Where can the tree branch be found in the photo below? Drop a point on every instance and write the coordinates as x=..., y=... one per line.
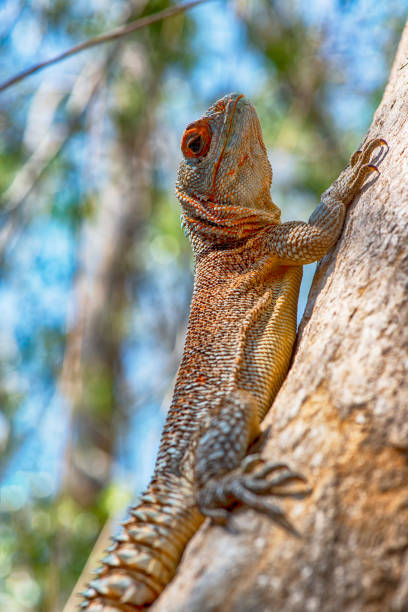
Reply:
x=30, y=173
x=103, y=38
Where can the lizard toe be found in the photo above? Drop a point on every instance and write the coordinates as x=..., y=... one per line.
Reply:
x=263, y=486
x=263, y=506
x=218, y=496
x=355, y=157
x=270, y=467
x=360, y=158
x=361, y=172
x=370, y=146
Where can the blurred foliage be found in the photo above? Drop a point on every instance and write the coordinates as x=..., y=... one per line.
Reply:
x=95, y=271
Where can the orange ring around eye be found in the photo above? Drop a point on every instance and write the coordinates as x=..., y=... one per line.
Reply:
x=196, y=139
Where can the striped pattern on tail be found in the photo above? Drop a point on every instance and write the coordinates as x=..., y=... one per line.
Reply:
x=145, y=555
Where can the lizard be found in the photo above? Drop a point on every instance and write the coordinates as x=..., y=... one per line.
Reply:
x=240, y=336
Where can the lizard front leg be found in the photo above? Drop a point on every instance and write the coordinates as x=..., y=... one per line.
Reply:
x=224, y=473
x=296, y=242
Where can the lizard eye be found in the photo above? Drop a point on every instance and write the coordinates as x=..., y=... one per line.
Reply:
x=195, y=144
x=196, y=139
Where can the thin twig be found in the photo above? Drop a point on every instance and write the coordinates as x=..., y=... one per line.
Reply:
x=29, y=174
x=103, y=38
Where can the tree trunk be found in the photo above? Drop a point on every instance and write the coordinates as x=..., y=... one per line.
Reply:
x=341, y=418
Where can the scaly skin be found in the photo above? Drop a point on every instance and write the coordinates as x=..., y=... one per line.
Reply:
x=239, y=342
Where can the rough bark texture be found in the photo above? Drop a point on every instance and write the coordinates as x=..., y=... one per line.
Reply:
x=341, y=418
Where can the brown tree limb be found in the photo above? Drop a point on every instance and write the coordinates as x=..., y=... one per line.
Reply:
x=102, y=39
x=341, y=418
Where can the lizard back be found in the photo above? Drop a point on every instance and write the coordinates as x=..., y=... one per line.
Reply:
x=241, y=329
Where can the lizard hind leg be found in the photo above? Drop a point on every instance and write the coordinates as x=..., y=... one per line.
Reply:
x=226, y=477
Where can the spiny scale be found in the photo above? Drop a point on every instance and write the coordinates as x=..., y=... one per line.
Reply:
x=144, y=557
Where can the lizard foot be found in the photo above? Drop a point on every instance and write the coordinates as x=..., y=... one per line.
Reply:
x=245, y=488
x=364, y=154
x=352, y=179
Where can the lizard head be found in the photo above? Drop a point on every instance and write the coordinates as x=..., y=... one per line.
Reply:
x=225, y=159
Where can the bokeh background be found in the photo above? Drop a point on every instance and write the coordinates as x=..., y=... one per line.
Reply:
x=95, y=271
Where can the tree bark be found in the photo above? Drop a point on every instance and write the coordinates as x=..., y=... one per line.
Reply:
x=341, y=418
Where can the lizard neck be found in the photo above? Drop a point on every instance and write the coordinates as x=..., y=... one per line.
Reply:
x=208, y=224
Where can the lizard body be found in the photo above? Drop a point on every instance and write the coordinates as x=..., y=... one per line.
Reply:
x=238, y=347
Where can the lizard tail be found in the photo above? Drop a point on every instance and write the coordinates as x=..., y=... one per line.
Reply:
x=145, y=555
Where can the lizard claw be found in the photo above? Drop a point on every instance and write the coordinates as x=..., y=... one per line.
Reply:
x=373, y=168
x=351, y=181
x=273, y=467
x=250, y=461
x=364, y=154
x=257, y=485
x=371, y=145
x=218, y=496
